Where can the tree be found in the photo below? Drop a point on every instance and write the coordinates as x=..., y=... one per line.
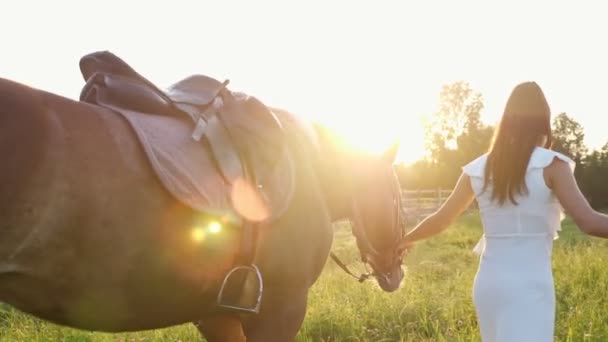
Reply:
x=459, y=110
x=568, y=137
x=455, y=134
x=592, y=179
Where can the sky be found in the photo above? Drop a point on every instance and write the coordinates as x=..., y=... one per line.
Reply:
x=372, y=70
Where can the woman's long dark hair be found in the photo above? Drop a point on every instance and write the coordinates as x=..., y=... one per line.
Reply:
x=525, y=122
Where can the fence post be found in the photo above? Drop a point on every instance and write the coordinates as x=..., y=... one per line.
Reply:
x=439, y=198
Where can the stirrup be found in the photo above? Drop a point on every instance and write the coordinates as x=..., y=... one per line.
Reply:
x=243, y=309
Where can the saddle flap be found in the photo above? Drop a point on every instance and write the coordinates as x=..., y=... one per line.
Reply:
x=184, y=166
x=278, y=185
x=224, y=151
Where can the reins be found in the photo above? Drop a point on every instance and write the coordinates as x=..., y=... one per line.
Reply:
x=363, y=277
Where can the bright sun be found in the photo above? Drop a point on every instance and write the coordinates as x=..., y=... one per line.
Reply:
x=379, y=137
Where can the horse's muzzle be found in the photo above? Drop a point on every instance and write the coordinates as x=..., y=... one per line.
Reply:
x=390, y=282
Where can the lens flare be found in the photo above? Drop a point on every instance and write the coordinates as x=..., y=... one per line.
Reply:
x=214, y=227
x=248, y=201
x=198, y=234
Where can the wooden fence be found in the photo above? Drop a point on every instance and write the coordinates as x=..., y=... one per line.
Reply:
x=418, y=204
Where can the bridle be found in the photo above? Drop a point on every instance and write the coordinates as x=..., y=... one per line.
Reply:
x=366, y=249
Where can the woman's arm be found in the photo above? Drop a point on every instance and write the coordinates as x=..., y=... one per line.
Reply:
x=562, y=182
x=458, y=202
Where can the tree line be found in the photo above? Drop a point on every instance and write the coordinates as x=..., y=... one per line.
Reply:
x=455, y=135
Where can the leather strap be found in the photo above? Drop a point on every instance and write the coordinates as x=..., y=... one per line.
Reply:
x=363, y=277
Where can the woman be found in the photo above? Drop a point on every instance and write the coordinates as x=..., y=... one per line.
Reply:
x=521, y=187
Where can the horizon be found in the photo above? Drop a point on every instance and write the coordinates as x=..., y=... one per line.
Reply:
x=370, y=71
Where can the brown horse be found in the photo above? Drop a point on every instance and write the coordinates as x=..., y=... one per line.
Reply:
x=89, y=238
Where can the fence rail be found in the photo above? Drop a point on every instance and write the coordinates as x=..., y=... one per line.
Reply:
x=418, y=204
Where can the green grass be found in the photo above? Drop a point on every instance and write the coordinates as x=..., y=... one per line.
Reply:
x=434, y=303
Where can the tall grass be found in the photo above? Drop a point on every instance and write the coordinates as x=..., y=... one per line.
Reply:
x=434, y=303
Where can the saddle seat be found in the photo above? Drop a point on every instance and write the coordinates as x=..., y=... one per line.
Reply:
x=218, y=151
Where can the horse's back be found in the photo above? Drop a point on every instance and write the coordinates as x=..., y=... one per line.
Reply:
x=46, y=137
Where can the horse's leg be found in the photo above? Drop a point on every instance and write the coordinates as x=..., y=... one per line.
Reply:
x=220, y=328
x=280, y=318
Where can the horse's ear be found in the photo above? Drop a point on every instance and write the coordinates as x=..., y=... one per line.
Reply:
x=391, y=153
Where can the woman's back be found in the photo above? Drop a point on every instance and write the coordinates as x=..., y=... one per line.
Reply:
x=536, y=213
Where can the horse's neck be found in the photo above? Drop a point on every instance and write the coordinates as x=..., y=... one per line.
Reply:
x=313, y=143
x=332, y=169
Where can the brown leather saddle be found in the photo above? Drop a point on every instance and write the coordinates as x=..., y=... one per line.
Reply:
x=218, y=151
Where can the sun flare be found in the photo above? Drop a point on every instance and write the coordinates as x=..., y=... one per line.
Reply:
x=377, y=139
x=198, y=234
x=202, y=232
x=215, y=227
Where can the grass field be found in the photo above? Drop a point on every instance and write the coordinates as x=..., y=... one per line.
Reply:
x=434, y=303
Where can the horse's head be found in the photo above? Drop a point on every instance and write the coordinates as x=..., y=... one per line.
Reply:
x=376, y=217
x=363, y=188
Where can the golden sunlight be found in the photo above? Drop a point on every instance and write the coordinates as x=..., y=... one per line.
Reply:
x=379, y=138
x=215, y=227
x=198, y=234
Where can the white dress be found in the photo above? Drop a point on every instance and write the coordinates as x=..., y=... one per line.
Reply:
x=513, y=294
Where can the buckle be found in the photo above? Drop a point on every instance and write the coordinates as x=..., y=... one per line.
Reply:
x=201, y=123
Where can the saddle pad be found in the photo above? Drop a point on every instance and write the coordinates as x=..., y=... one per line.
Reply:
x=187, y=168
